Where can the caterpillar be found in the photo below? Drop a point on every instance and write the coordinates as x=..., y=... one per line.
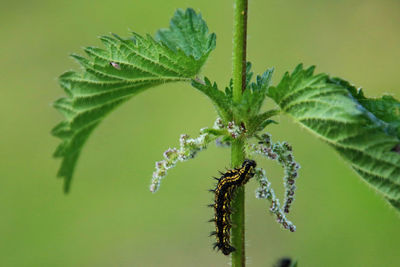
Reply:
x=224, y=191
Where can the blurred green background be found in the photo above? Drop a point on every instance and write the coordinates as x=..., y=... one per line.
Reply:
x=110, y=218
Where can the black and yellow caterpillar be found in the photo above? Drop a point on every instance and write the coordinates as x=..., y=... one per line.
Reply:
x=224, y=192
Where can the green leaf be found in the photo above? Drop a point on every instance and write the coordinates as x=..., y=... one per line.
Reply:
x=260, y=121
x=253, y=96
x=252, y=100
x=386, y=108
x=247, y=110
x=363, y=131
x=255, y=93
x=124, y=68
x=188, y=32
x=221, y=101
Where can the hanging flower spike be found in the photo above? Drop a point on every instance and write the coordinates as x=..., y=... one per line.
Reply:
x=265, y=191
x=282, y=152
x=188, y=149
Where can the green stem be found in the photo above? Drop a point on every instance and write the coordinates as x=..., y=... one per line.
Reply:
x=237, y=153
x=239, y=48
x=238, y=257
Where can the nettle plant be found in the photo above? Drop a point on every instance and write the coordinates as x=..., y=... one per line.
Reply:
x=365, y=132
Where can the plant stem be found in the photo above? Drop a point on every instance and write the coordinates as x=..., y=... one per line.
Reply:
x=239, y=48
x=238, y=257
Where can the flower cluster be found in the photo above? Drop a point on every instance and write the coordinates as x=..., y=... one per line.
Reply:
x=188, y=149
x=228, y=132
x=282, y=152
x=265, y=191
x=234, y=130
x=218, y=124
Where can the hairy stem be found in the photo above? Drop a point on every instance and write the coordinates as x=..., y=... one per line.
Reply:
x=237, y=154
x=238, y=217
x=239, y=48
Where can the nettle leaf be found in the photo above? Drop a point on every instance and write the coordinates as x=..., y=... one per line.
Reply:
x=221, y=101
x=386, y=108
x=262, y=120
x=248, y=109
x=252, y=100
x=124, y=68
x=255, y=93
x=364, y=131
x=188, y=32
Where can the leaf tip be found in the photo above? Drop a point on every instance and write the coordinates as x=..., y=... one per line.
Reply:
x=67, y=185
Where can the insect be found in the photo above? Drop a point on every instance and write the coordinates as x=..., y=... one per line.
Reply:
x=115, y=65
x=224, y=192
